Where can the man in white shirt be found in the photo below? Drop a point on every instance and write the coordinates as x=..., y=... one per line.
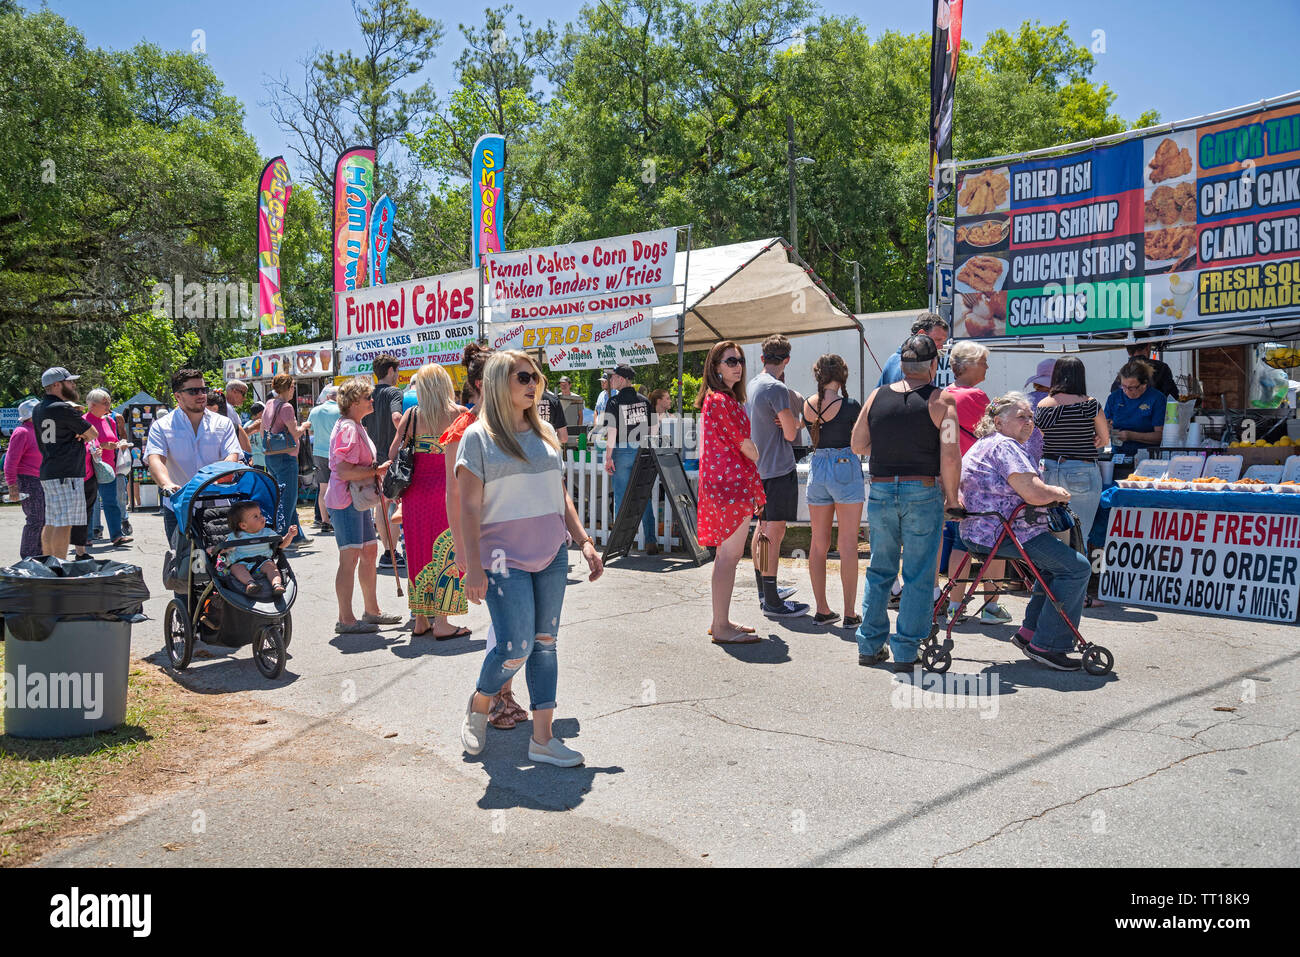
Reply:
x=183, y=441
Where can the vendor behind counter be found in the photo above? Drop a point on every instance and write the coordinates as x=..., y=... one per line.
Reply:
x=1136, y=410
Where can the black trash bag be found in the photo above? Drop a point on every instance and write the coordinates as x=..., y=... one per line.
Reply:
x=38, y=593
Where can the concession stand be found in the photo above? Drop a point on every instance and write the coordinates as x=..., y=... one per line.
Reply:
x=311, y=365
x=1186, y=234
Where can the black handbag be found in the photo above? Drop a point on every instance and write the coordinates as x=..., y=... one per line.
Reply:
x=402, y=469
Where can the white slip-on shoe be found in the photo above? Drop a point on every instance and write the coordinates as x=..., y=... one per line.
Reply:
x=553, y=752
x=473, y=731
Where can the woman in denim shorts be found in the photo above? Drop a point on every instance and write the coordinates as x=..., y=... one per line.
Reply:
x=836, y=489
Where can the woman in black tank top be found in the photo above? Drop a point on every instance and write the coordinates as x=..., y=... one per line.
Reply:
x=836, y=490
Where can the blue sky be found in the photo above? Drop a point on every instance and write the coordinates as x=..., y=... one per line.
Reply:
x=1182, y=58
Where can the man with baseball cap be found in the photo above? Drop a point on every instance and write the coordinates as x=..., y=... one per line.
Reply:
x=61, y=435
x=929, y=324
x=236, y=393
x=627, y=426
x=603, y=399
x=322, y=419
x=910, y=430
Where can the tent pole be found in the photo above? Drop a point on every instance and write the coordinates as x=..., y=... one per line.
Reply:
x=681, y=322
x=862, y=338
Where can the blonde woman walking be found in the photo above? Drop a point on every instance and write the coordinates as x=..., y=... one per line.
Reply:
x=515, y=513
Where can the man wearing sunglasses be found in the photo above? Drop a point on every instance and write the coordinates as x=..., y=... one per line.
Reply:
x=183, y=441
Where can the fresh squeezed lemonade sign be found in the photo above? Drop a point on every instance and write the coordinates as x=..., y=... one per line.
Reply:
x=1222, y=563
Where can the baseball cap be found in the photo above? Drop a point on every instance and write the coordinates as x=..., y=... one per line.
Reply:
x=564, y=378
x=327, y=393
x=918, y=348
x=1043, y=374
x=26, y=408
x=56, y=374
x=626, y=372
x=603, y=375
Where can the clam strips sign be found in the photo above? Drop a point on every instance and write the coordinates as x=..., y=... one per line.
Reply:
x=630, y=352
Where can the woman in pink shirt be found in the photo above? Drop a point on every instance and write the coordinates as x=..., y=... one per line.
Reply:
x=352, y=459
x=23, y=476
x=100, y=416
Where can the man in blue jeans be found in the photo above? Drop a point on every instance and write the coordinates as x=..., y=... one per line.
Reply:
x=910, y=431
x=627, y=422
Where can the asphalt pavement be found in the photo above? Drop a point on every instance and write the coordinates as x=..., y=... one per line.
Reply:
x=785, y=752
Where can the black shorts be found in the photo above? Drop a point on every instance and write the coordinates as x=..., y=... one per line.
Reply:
x=782, y=493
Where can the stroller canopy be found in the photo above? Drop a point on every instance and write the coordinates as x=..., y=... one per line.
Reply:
x=225, y=480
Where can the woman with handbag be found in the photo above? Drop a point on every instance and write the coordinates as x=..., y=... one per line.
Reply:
x=353, y=492
x=99, y=414
x=417, y=459
x=280, y=435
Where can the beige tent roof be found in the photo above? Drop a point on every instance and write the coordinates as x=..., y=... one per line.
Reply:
x=746, y=292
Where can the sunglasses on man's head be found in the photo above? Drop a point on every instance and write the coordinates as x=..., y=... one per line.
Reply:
x=733, y=361
x=201, y=390
x=527, y=378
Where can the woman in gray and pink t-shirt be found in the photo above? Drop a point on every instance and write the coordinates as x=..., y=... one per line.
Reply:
x=517, y=520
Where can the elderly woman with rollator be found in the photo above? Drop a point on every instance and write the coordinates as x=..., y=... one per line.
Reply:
x=998, y=475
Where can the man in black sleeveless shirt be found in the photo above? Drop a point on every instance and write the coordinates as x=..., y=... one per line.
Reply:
x=910, y=431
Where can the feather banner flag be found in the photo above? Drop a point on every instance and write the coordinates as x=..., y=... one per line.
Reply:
x=273, y=192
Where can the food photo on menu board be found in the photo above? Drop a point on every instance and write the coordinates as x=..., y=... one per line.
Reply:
x=1188, y=225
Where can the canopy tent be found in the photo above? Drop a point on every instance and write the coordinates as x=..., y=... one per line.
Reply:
x=746, y=292
x=140, y=398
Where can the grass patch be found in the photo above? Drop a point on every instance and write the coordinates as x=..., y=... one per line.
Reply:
x=48, y=785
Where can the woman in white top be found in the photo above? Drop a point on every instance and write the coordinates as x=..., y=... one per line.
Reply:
x=516, y=521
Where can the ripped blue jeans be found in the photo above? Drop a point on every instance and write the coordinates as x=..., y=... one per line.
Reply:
x=525, y=605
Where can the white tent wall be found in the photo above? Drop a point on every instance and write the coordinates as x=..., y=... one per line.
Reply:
x=1008, y=370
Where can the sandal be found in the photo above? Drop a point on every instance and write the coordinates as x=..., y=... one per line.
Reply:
x=458, y=633
x=499, y=715
x=512, y=707
x=744, y=638
x=747, y=629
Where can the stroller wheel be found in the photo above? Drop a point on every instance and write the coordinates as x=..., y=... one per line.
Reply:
x=268, y=651
x=1098, y=660
x=288, y=630
x=936, y=658
x=178, y=635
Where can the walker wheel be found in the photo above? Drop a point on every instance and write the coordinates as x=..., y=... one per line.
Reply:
x=268, y=651
x=178, y=635
x=936, y=658
x=1098, y=660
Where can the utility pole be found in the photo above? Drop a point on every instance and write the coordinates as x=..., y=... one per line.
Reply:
x=789, y=148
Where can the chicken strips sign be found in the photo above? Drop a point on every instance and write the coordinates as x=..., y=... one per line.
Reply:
x=1199, y=223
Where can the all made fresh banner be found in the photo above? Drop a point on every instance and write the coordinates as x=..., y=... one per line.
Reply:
x=1218, y=563
x=1196, y=225
x=529, y=277
x=417, y=321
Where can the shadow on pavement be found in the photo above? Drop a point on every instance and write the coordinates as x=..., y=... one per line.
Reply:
x=223, y=673
x=517, y=782
x=772, y=650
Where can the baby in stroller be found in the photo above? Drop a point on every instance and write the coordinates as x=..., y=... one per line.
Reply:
x=248, y=521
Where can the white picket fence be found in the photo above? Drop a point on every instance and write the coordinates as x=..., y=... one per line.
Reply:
x=592, y=491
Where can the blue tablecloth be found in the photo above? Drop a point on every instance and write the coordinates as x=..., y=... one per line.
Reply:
x=1272, y=503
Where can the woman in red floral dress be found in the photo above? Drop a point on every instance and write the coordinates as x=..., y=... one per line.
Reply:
x=730, y=490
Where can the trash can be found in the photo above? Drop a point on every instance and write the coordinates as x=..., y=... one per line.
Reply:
x=67, y=628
